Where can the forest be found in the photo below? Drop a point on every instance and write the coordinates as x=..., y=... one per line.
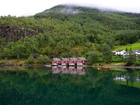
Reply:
x=69, y=31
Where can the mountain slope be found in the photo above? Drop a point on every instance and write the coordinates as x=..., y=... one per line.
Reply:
x=66, y=31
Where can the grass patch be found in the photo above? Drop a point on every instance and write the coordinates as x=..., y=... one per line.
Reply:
x=134, y=46
x=13, y=61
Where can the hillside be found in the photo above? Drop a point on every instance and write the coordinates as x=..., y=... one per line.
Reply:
x=66, y=31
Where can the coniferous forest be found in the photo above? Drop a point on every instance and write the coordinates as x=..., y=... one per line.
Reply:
x=69, y=31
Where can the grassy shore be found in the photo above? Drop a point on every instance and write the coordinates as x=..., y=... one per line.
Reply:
x=13, y=61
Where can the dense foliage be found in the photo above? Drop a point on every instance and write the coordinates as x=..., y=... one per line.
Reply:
x=67, y=34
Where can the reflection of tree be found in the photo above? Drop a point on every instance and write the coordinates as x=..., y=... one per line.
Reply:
x=91, y=76
x=105, y=87
x=38, y=71
x=93, y=88
x=131, y=76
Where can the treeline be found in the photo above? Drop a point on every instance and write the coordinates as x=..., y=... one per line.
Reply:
x=66, y=35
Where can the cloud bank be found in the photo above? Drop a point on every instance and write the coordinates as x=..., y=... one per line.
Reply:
x=31, y=7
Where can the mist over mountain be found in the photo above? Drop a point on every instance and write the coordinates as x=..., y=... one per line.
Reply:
x=73, y=9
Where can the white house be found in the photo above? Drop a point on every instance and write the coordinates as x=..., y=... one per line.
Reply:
x=120, y=52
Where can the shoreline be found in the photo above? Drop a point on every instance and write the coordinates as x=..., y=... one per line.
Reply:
x=118, y=67
x=21, y=65
x=44, y=65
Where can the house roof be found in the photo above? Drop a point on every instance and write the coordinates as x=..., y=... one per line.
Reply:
x=65, y=59
x=74, y=59
x=81, y=58
x=56, y=59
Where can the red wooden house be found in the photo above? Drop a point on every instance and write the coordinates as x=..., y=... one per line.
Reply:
x=81, y=61
x=56, y=61
x=69, y=61
x=64, y=61
x=72, y=61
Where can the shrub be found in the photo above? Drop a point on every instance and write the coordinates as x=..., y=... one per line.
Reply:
x=42, y=59
x=30, y=60
x=92, y=58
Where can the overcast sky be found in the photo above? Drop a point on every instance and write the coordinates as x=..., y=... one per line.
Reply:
x=31, y=7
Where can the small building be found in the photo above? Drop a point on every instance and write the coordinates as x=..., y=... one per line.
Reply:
x=81, y=61
x=120, y=52
x=64, y=61
x=68, y=61
x=126, y=55
x=56, y=61
x=72, y=61
x=136, y=52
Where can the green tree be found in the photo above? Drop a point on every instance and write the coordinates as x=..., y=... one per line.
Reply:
x=18, y=50
x=106, y=53
x=92, y=57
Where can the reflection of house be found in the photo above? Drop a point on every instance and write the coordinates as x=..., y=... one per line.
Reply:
x=138, y=79
x=72, y=70
x=120, y=78
x=81, y=70
x=56, y=70
x=127, y=78
x=65, y=70
x=68, y=70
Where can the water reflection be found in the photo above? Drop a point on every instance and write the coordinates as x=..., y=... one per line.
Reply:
x=69, y=70
x=125, y=78
x=120, y=78
x=38, y=86
x=128, y=75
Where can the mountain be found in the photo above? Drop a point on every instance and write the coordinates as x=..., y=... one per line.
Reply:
x=69, y=10
x=66, y=31
x=74, y=9
x=114, y=19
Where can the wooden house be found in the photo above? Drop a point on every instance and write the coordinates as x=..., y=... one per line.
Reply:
x=72, y=61
x=64, y=61
x=56, y=61
x=68, y=61
x=81, y=61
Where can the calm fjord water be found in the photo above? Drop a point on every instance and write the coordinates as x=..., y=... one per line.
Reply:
x=83, y=86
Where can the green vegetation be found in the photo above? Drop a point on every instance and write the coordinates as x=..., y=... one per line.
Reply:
x=53, y=33
x=134, y=46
